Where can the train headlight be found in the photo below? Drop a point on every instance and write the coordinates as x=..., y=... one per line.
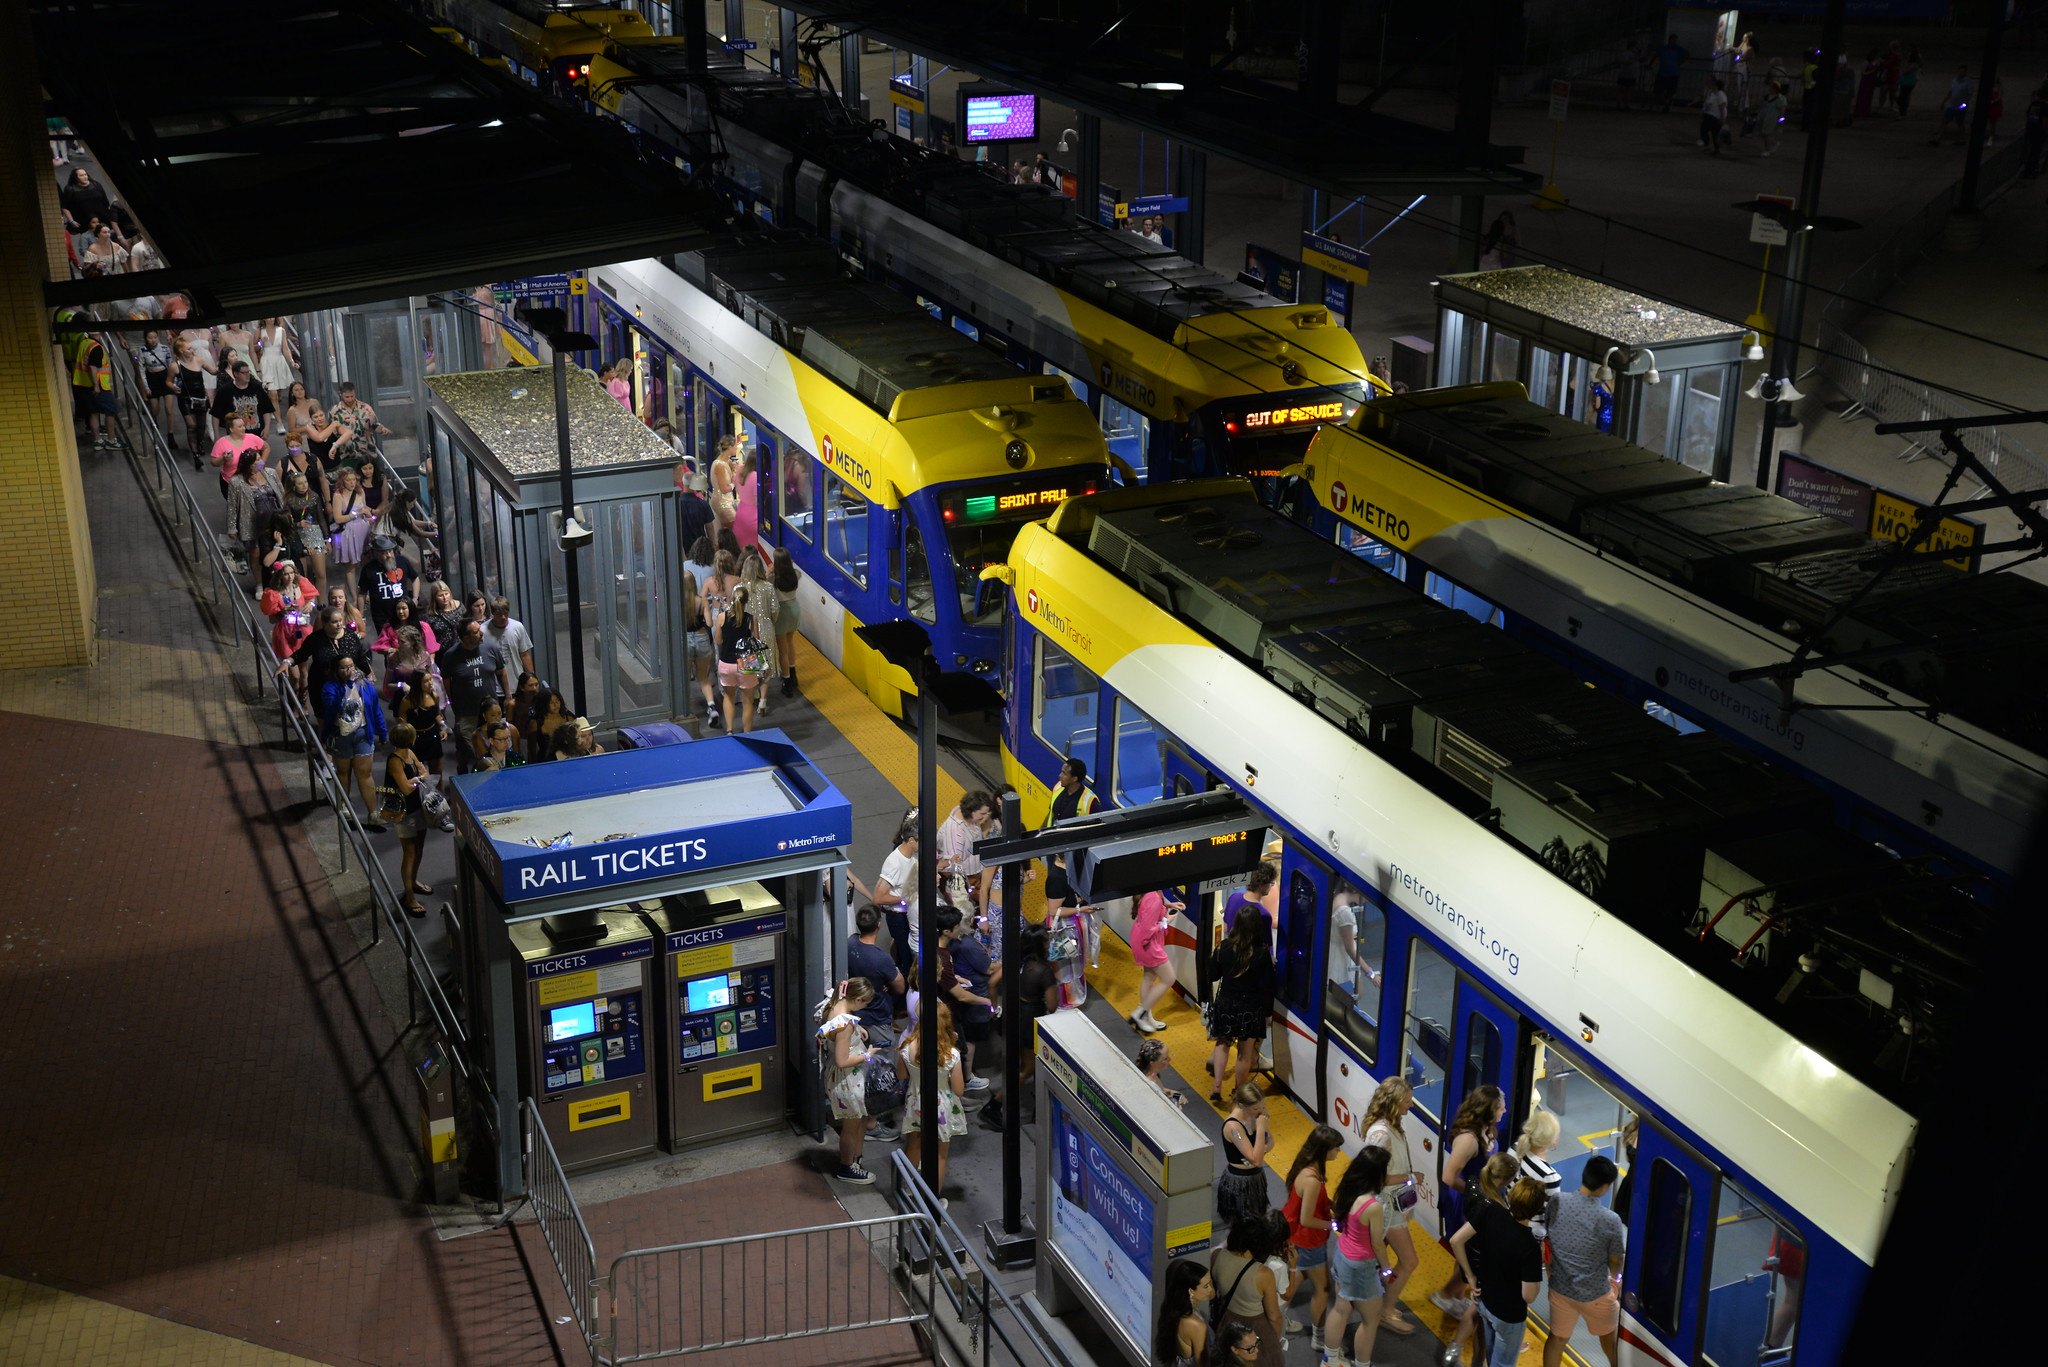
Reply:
x=1016, y=454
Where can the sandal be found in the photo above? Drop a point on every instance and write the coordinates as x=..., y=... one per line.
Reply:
x=425, y=889
x=415, y=910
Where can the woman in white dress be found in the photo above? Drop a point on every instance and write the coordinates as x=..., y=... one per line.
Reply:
x=274, y=367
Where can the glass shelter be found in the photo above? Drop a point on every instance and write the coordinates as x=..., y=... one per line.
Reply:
x=492, y=434
x=1552, y=330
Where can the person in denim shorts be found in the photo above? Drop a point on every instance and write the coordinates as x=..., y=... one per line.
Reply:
x=1354, y=1263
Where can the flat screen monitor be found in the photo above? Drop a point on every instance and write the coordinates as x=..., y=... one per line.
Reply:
x=999, y=116
x=707, y=994
x=567, y=1022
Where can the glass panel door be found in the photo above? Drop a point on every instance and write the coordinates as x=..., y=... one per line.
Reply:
x=1485, y=1049
x=633, y=630
x=1699, y=424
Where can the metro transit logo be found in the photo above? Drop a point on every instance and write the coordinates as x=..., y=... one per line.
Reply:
x=1340, y=497
x=1031, y=601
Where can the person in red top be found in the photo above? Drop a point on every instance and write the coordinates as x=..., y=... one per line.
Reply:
x=1148, y=949
x=291, y=603
x=1308, y=1224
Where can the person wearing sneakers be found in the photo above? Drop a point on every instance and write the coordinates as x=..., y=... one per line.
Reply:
x=967, y=982
x=1392, y=1100
x=1308, y=1228
x=1148, y=949
x=1354, y=1263
x=843, y=1053
x=866, y=959
x=1503, y=1263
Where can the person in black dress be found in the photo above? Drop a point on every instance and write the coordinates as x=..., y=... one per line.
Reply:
x=1242, y=1004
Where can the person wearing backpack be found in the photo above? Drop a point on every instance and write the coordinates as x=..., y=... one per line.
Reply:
x=351, y=727
x=1354, y=1263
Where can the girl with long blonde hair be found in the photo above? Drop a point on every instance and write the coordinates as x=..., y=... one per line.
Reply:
x=952, y=1086
x=1390, y=1103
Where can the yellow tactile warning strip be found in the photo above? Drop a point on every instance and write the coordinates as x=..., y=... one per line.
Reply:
x=57, y=1329
x=885, y=745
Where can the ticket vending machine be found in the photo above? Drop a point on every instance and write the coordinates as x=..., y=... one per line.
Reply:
x=725, y=1024
x=587, y=1037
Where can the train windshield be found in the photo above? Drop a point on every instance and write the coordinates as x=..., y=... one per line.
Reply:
x=1262, y=435
x=981, y=520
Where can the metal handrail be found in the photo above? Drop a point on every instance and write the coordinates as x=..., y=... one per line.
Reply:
x=561, y=1224
x=711, y=1290
x=984, y=1328
x=296, y=723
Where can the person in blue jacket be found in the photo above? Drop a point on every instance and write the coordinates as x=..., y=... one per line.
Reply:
x=352, y=727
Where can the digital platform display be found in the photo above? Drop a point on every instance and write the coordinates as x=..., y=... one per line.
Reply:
x=707, y=994
x=567, y=1022
x=1000, y=117
x=1011, y=504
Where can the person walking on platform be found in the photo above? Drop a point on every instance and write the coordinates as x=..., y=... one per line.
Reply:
x=1241, y=1004
x=895, y=892
x=1474, y=1135
x=1354, y=1263
x=843, y=1054
x=1586, y=1247
x=1713, y=115
x=1070, y=799
x=787, y=617
x=406, y=774
x=1155, y=913
x=1391, y=1101
x=1503, y=1261
x=351, y=727
x=1670, y=60
x=1308, y=1214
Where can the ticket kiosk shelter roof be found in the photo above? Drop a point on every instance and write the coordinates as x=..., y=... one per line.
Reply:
x=1585, y=317
x=605, y=829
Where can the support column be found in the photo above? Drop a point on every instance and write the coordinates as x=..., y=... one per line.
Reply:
x=785, y=41
x=1192, y=181
x=1473, y=124
x=46, y=567
x=735, y=20
x=849, y=71
x=921, y=77
x=1784, y=364
x=1088, y=169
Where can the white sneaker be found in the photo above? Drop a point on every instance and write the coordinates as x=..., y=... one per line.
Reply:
x=977, y=1083
x=1152, y=1024
x=1315, y=1339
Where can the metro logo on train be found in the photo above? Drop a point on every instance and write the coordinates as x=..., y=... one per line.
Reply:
x=842, y=464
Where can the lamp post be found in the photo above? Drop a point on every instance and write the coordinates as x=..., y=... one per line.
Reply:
x=553, y=324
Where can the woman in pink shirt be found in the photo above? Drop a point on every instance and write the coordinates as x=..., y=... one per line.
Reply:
x=1148, y=948
x=1354, y=1265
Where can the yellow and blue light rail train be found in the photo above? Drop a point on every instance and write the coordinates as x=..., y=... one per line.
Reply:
x=896, y=458
x=1189, y=371
x=1492, y=874
x=1663, y=583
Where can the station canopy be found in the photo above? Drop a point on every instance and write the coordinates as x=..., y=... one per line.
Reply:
x=309, y=154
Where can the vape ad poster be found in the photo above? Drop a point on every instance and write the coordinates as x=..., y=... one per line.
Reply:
x=1102, y=1223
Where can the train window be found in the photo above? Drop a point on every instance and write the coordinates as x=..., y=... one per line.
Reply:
x=1759, y=1270
x=846, y=528
x=1358, y=946
x=1126, y=431
x=796, y=490
x=917, y=572
x=1140, y=757
x=1482, y=1046
x=1451, y=595
x=1426, y=1037
x=1063, y=704
x=1374, y=552
x=1669, y=1227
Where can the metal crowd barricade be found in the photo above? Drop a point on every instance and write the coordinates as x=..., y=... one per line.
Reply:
x=561, y=1225
x=765, y=1288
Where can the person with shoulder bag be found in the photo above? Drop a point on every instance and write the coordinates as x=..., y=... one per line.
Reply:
x=1247, y=1294
x=843, y=1054
x=1390, y=1102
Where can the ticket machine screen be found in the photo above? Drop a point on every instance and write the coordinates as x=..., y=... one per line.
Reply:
x=567, y=1022
x=707, y=994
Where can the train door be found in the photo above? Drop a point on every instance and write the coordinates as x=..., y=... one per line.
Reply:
x=1671, y=1211
x=1486, y=1048
x=1305, y=886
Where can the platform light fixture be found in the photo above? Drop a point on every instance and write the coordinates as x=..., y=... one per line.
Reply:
x=1065, y=145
